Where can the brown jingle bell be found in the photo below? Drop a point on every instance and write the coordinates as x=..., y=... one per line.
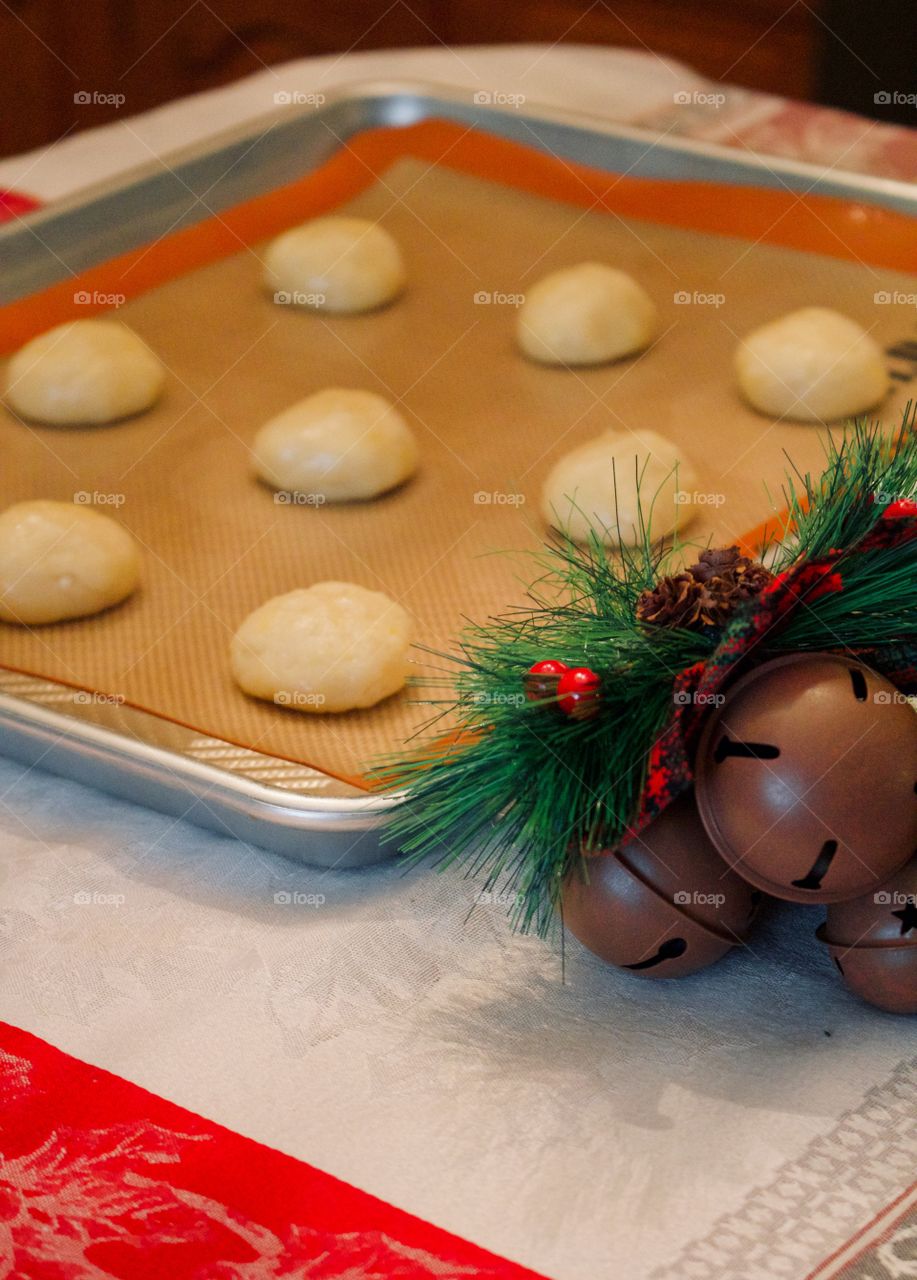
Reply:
x=662, y=905
x=873, y=942
x=806, y=778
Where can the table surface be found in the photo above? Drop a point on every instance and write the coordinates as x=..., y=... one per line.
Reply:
x=743, y=1123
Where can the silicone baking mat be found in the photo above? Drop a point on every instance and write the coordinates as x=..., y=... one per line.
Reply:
x=479, y=222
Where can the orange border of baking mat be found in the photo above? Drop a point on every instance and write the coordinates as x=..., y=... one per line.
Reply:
x=836, y=227
x=816, y=224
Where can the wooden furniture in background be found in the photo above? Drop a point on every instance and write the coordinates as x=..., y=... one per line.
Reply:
x=150, y=51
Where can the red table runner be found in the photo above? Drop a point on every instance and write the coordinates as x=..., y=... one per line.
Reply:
x=99, y=1178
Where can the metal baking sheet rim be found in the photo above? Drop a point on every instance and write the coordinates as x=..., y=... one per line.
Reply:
x=193, y=182
x=344, y=830
x=338, y=831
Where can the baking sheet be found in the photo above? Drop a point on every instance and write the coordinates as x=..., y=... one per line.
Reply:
x=490, y=425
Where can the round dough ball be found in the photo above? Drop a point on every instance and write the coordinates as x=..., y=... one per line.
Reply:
x=85, y=371
x=349, y=263
x=813, y=365
x=58, y=561
x=338, y=445
x=586, y=315
x=594, y=487
x=330, y=647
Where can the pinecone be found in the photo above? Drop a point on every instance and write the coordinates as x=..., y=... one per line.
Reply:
x=726, y=563
x=672, y=602
x=714, y=562
x=706, y=594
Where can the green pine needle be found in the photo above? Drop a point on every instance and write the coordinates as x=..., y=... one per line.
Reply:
x=864, y=471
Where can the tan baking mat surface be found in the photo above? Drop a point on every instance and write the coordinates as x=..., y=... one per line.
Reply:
x=489, y=423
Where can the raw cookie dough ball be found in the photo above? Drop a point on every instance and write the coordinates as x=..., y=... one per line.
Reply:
x=341, y=445
x=595, y=487
x=813, y=365
x=59, y=561
x=330, y=647
x=349, y=263
x=85, y=371
x=586, y=315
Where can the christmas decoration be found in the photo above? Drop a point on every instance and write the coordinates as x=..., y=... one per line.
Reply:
x=662, y=904
x=873, y=942
x=533, y=802
x=541, y=679
x=806, y=776
x=578, y=692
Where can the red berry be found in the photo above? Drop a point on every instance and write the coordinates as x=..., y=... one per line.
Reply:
x=549, y=667
x=578, y=692
x=541, y=679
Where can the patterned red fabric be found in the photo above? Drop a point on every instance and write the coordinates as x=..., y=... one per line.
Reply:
x=99, y=1178
x=13, y=205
